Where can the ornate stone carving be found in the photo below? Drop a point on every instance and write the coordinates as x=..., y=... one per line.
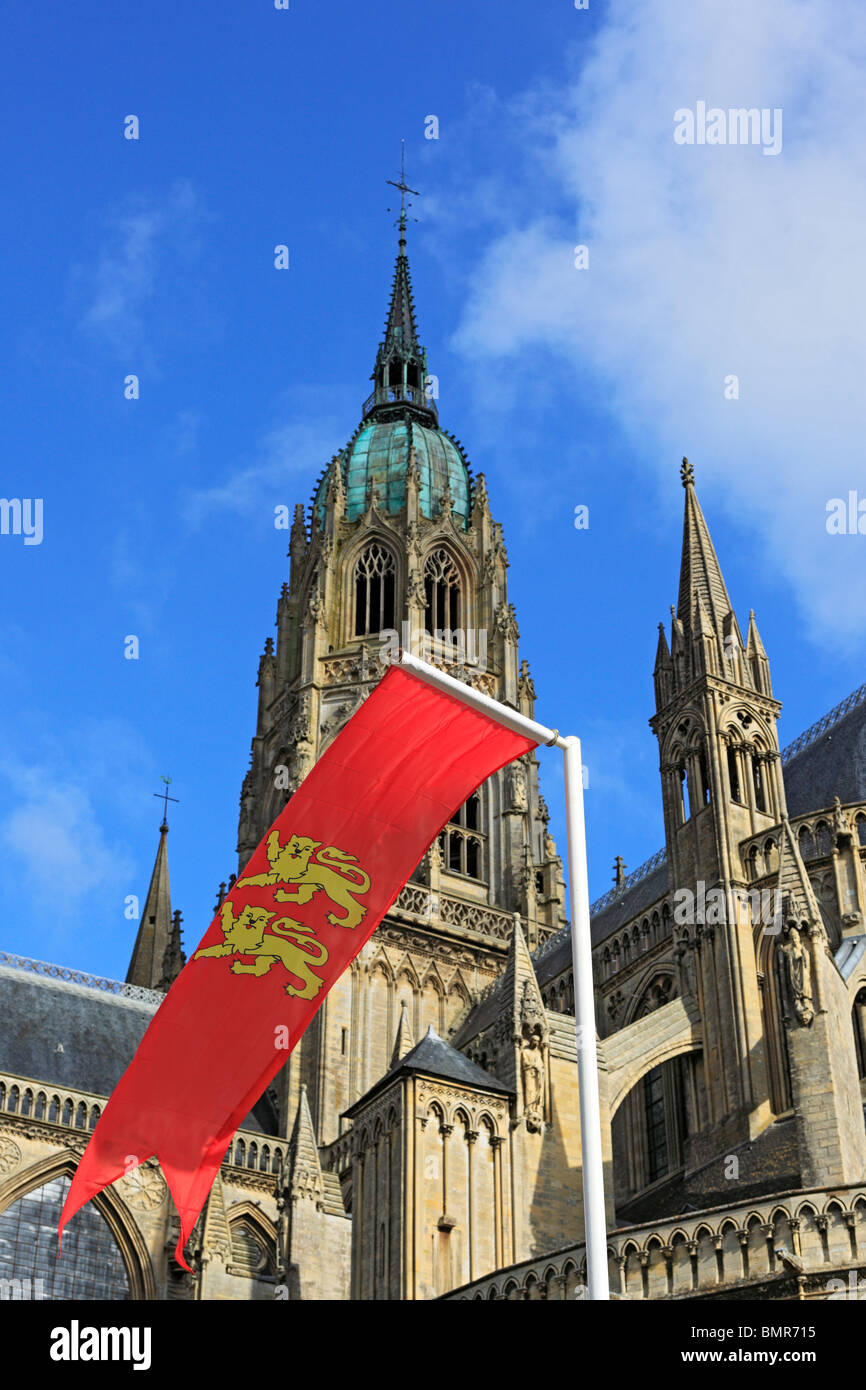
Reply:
x=614, y=1004
x=144, y=1188
x=10, y=1156
x=338, y=715
x=841, y=823
x=659, y=992
x=416, y=591
x=506, y=622
x=525, y=683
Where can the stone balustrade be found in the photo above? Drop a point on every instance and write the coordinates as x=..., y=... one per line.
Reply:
x=818, y=1232
x=70, y=1109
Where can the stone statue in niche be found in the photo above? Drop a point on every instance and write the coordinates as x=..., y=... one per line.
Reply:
x=690, y=973
x=518, y=795
x=532, y=1074
x=798, y=968
x=533, y=1058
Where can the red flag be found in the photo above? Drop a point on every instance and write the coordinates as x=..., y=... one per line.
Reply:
x=313, y=892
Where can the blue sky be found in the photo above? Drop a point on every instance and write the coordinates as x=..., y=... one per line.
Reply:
x=155, y=257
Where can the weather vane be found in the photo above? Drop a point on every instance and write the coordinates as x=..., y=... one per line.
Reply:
x=404, y=189
x=165, y=799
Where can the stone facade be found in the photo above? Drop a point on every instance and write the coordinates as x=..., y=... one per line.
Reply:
x=423, y=1140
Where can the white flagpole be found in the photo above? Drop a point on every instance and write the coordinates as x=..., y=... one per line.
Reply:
x=595, y=1224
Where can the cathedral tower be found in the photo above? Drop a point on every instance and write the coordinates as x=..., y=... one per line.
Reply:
x=399, y=548
x=721, y=775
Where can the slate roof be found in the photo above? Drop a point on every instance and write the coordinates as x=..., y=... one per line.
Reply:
x=99, y=1033
x=833, y=764
x=433, y=1056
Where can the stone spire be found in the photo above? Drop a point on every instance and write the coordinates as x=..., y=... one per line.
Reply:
x=400, y=373
x=701, y=581
x=405, y=1039
x=155, y=930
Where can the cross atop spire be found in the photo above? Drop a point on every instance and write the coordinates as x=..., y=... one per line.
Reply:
x=404, y=188
x=165, y=799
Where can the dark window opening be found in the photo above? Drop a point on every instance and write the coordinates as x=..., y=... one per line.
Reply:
x=473, y=856
x=654, y=1110
x=760, y=793
x=442, y=595
x=374, y=591
x=705, y=779
x=859, y=1021
x=685, y=812
x=462, y=851
x=734, y=776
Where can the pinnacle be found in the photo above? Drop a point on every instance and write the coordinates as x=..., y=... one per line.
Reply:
x=303, y=1146
x=405, y=1039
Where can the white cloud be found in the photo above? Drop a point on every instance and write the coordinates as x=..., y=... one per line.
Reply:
x=280, y=467
x=139, y=237
x=706, y=261
x=61, y=858
x=58, y=846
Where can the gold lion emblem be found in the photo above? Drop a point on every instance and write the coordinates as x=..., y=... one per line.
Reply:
x=333, y=872
x=294, y=946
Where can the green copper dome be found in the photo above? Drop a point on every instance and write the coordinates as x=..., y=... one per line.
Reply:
x=400, y=416
x=374, y=470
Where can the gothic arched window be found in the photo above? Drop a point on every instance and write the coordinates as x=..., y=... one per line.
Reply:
x=251, y=1252
x=461, y=841
x=92, y=1266
x=375, y=575
x=442, y=593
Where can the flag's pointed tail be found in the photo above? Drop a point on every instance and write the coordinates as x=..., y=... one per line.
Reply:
x=185, y=1195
